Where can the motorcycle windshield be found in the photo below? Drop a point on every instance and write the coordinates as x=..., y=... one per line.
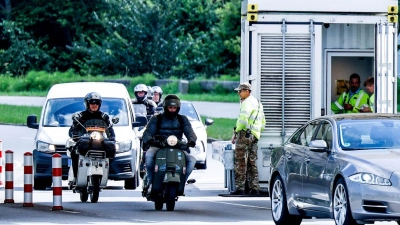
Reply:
x=93, y=123
x=58, y=112
x=140, y=110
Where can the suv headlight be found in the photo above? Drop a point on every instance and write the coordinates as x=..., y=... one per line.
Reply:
x=45, y=147
x=124, y=146
x=369, y=178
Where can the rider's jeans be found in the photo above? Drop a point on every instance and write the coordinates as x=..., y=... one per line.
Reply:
x=190, y=163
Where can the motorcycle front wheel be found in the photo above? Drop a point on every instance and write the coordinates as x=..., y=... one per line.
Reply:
x=94, y=195
x=171, y=197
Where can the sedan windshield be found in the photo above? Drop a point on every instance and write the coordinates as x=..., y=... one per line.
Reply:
x=189, y=111
x=58, y=112
x=369, y=134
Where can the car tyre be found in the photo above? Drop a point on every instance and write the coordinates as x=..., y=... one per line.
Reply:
x=341, y=205
x=131, y=183
x=279, y=209
x=201, y=166
x=41, y=183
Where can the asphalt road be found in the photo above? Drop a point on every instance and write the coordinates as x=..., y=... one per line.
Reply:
x=210, y=109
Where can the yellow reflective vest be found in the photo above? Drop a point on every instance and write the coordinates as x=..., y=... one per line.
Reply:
x=357, y=100
x=251, y=116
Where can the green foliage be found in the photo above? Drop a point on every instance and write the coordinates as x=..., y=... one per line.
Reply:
x=185, y=38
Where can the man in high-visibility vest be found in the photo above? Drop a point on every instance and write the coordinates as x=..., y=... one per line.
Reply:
x=369, y=84
x=352, y=100
x=247, y=132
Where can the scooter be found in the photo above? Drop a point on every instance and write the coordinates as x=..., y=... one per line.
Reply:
x=169, y=173
x=95, y=151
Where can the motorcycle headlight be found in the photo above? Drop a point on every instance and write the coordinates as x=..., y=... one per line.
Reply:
x=172, y=140
x=45, y=147
x=369, y=178
x=96, y=135
x=123, y=146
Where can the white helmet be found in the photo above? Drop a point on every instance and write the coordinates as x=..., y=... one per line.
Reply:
x=138, y=88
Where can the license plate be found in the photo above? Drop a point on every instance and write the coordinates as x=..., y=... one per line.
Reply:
x=69, y=162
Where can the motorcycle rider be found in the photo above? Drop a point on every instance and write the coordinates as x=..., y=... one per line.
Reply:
x=92, y=102
x=172, y=123
x=141, y=91
x=157, y=96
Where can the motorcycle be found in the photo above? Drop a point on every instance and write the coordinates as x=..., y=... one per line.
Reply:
x=169, y=173
x=94, y=150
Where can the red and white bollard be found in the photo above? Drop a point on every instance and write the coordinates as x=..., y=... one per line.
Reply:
x=57, y=182
x=1, y=164
x=9, y=190
x=28, y=179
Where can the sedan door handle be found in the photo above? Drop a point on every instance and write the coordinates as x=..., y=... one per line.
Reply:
x=288, y=155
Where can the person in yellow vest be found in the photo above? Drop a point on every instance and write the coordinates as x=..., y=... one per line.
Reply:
x=352, y=100
x=370, y=86
x=247, y=132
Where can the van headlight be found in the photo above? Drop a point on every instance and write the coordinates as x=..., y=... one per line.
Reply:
x=123, y=146
x=45, y=147
x=369, y=178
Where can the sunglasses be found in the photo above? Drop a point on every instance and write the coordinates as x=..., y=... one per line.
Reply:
x=96, y=102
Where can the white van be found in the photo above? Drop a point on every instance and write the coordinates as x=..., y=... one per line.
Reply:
x=62, y=101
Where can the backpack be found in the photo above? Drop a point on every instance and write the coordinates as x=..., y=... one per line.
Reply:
x=159, y=120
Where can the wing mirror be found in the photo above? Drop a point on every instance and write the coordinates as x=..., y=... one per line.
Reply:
x=318, y=146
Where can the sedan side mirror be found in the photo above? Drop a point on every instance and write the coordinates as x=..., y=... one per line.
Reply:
x=318, y=146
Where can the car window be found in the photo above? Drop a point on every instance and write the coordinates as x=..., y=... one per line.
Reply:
x=304, y=136
x=189, y=111
x=58, y=112
x=369, y=134
x=325, y=133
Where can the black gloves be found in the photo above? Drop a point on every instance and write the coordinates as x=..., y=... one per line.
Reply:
x=191, y=144
x=76, y=116
x=112, y=139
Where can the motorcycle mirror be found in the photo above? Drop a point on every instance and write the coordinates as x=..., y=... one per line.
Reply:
x=115, y=120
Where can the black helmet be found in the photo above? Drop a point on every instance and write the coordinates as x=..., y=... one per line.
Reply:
x=172, y=100
x=93, y=97
x=140, y=87
x=158, y=90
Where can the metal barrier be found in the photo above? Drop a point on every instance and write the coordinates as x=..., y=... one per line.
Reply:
x=9, y=187
x=57, y=182
x=28, y=179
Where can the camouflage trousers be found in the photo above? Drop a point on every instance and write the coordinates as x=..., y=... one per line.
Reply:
x=245, y=162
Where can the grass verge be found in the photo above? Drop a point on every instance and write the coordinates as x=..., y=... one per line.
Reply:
x=13, y=114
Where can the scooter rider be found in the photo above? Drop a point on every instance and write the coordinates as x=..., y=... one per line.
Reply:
x=92, y=102
x=157, y=96
x=141, y=98
x=172, y=123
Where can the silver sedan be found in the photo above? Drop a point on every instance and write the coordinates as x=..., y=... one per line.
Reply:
x=345, y=167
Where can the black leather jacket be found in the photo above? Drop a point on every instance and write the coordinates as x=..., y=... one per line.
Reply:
x=77, y=129
x=169, y=127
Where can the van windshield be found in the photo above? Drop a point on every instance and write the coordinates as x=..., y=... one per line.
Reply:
x=58, y=112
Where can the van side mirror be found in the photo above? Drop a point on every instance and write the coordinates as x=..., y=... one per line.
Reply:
x=140, y=121
x=115, y=120
x=31, y=122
